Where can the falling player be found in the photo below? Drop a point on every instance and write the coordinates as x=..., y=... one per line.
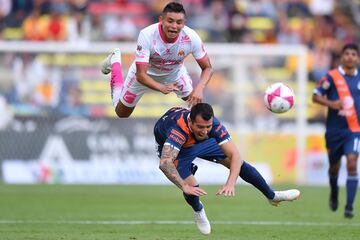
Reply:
x=182, y=135
x=161, y=50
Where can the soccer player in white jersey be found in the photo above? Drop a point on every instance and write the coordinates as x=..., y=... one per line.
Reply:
x=161, y=50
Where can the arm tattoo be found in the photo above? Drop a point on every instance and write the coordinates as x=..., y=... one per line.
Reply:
x=167, y=165
x=169, y=152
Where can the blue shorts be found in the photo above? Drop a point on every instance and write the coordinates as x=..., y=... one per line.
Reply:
x=340, y=144
x=208, y=150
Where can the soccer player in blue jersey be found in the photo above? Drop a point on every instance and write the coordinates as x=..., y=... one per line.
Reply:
x=339, y=90
x=182, y=135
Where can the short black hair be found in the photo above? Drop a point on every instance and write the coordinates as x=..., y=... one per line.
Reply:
x=203, y=109
x=174, y=7
x=352, y=46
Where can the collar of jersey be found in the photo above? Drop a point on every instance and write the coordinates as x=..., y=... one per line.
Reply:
x=342, y=71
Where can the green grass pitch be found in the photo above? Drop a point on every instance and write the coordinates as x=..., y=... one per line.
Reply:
x=159, y=213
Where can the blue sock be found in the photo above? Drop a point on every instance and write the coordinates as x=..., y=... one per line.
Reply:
x=249, y=174
x=193, y=201
x=333, y=180
x=351, y=188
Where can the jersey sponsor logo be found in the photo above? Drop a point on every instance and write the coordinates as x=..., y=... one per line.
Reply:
x=181, y=53
x=175, y=138
x=180, y=135
x=324, y=83
x=222, y=134
x=348, y=103
x=184, y=39
x=218, y=128
x=129, y=97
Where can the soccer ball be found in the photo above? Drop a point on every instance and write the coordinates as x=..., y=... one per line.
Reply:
x=279, y=98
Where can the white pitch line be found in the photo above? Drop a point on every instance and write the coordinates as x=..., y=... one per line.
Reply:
x=115, y=222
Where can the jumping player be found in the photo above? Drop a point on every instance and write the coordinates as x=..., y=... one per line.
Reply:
x=339, y=90
x=161, y=50
x=183, y=135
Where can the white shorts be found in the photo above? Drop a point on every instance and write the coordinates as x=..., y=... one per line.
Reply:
x=133, y=90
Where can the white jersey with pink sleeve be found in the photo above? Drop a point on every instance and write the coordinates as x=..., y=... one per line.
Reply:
x=165, y=62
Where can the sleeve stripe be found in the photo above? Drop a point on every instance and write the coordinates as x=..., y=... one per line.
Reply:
x=225, y=141
x=317, y=92
x=169, y=144
x=202, y=57
x=141, y=62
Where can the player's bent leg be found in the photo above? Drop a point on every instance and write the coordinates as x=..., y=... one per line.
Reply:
x=123, y=111
x=202, y=222
x=192, y=200
x=250, y=175
x=200, y=217
x=113, y=57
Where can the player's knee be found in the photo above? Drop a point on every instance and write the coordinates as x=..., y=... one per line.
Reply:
x=123, y=112
x=352, y=168
x=122, y=115
x=333, y=170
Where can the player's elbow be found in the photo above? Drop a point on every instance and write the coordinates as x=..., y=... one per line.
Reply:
x=315, y=98
x=140, y=77
x=162, y=164
x=210, y=70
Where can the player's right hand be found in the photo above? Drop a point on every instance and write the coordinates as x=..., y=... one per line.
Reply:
x=166, y=89
x=190, y=190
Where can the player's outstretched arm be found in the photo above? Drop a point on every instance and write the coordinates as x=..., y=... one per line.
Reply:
x=235, y=162
x=145, y=79
x=167, y=166
x=197, y=94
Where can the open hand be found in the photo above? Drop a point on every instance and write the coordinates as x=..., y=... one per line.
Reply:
x=166, y=89
x=227, y=191
x=197, y=191
x=195, y=97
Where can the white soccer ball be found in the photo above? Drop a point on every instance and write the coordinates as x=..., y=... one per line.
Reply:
x=279, y=98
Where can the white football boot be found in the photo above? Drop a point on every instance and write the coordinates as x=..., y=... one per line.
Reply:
x=202, y=222
x=114, y=56
x=288, y=195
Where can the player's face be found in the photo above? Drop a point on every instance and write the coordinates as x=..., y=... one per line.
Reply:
x=172, y=23
x=349, y=58
x=200, y=127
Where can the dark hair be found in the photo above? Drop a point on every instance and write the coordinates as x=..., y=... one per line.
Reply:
x=203, y=109
x=352, y=46
x=174, y=7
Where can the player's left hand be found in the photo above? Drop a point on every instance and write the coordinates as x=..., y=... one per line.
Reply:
x=227, y=191
x=195, y=97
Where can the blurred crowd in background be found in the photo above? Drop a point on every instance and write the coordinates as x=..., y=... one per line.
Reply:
x=43, y=80
x=323, y=25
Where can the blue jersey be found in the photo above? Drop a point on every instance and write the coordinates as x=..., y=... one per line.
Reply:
x=172, y=128
x=337, y=85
